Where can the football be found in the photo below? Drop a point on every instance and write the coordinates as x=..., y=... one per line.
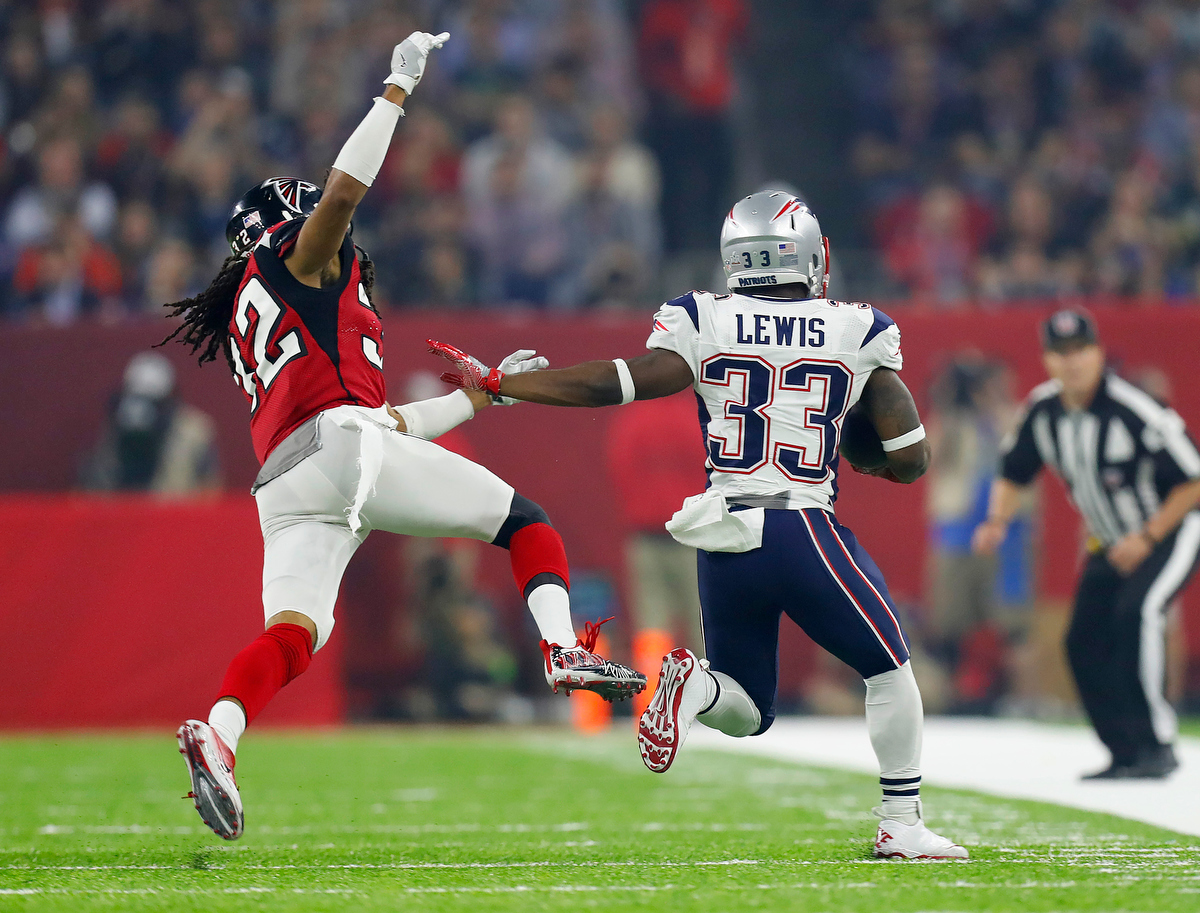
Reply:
x=860, y=443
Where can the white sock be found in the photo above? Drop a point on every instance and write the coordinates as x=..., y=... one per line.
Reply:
x=895, y=722
x=550, y=606
x=229, y=722
x=732, y=712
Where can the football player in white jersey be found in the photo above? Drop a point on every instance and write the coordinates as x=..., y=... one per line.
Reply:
x=774, y=366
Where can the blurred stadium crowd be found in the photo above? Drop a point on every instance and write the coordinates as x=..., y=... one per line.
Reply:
x=1017, y=149
x=561, y=152
x=130, y=126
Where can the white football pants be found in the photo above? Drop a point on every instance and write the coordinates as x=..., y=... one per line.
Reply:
x=421, y=490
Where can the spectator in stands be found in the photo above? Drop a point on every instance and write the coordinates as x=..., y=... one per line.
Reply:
x=630, y=171
x=1180, y=214
x=439, y=264
x=1128, y=246
x=137, y=232
x=686, y=50
x=62, y=190
x=143, y=46
x=517, y=183
x=170, y=276
x=1022, y=264
x=936, y=257
x=611, y=243
x=130, y=155
x=151, y=440
x=519, y=234
x=561, y=102
x=66, y=276
x=71, y=109
x=494, y=55
x=23, y=78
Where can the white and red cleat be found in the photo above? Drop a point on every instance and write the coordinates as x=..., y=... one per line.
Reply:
x=680, y=696
x=214, y=791
x=897, y=840
x=581, y=668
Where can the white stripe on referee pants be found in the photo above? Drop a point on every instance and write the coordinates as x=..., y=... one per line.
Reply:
x=1152, y=649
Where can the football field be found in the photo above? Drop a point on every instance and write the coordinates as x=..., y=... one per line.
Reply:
x=535, y=819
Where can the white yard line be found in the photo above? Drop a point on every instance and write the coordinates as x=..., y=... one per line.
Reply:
x=1014, y=758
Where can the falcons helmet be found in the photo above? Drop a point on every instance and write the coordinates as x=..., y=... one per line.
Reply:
x=772, y=238
x=273, y=201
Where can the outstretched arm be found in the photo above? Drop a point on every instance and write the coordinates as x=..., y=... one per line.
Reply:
x=592, y=383
x=597, y=383
x=893, y=413
x=358, y=163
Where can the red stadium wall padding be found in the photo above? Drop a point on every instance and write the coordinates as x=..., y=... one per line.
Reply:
x=125, y=612
x=57, y=381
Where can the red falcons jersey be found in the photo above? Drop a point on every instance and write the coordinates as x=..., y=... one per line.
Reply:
x=299, y=350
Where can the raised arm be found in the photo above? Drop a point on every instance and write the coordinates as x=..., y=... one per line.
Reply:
x=358, y=163
x=894, y=414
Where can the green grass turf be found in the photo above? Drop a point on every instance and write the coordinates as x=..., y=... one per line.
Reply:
x=1189, y=725
x=520, y=820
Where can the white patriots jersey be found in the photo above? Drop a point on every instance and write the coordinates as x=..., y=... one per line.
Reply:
x=774, y=380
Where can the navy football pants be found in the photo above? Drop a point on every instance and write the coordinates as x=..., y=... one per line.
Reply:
x=812, y=568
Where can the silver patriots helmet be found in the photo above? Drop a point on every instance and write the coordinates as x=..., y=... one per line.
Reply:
x=772, y=238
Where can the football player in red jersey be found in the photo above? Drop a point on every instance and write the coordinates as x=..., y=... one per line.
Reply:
x=291, y=311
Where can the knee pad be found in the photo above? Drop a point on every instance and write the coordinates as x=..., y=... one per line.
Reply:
x=521, y=513
x=733, y=712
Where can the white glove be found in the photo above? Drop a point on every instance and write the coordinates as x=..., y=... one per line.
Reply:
x=408, y=59
x=519, y=362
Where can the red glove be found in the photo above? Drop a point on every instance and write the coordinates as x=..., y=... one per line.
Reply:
x=472, y=373
x=883, y=472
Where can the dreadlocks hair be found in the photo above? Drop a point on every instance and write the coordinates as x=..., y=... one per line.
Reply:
x=206, y=317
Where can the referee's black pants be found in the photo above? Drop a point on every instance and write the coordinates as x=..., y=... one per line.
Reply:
x=1116, y=643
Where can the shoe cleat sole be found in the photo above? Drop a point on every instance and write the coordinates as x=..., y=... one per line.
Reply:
x=214, y=805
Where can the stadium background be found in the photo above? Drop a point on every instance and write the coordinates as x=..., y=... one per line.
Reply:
x=563, y=168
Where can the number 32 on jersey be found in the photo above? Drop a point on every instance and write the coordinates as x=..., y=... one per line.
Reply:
x=268, y=358
x=818, y=390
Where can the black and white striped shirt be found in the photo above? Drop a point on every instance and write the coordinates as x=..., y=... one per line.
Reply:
x=1120, y=456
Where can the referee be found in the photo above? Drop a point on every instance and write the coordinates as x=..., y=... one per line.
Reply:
x=1134, y=475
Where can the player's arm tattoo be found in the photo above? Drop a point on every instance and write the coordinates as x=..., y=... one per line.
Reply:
x=893, y=413
x=595, y=383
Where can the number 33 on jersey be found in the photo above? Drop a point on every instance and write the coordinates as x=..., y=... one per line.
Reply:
x=299, y=350
x=774, y=379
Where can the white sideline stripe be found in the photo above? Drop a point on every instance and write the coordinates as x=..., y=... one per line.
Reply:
x=1018, y=759
x=568, y=888
x=414, y=829
x=630, y=863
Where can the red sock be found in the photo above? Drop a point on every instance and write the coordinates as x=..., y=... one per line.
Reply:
x=272, y=659
x=537, y=549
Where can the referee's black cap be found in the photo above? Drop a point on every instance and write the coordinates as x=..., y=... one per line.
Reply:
x=1066, y=327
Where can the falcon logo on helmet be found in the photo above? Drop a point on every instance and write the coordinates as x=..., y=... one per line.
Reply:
x=773, y=238
x=290, y=190
x=275, y=200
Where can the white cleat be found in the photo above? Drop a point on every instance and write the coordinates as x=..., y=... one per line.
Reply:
x=897, y=840
x=581, y=668
x=214, y=791
x=664, y=725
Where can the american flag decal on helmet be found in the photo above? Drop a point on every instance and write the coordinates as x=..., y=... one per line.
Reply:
x=289, y=189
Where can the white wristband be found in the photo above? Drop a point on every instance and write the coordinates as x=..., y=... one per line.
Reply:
x=431, y=418
x=904, y=440
x=626, y=379
x=363, y=153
